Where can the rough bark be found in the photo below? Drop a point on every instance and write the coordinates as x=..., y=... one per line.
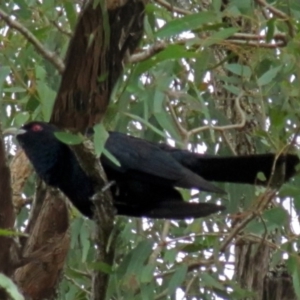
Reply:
x=103, y=216
x=102, y=39
x=94, y=61
x=20, y=169
x=46, y=247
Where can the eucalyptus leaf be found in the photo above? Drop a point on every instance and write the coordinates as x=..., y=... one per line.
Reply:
x=69, y=138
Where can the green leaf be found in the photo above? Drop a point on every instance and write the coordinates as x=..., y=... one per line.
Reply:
x=85, y=242
x=289, y=190
x=170, y=256
x=100, y=137
x=171, y=52
x=7, y=284
x=166, y=122
x=293, y=265
x=219, y=36
x=70, y=12
x=238, y=69
x=272, y=219
x=40, y=73
x=147, y=273
x=275, y=216
x=21, y=118
x=4, y=72
x=146, y=123
x=14, y=89
x=270, y=29
x=47, y=96
x=186, y=23
x=175, y=52
x=111, y=157
x=177, y=278
x=211, y=281
x=233, y=89
x=6, y=232
x=69, y=138
x=268, y=76
x=101, y=266
x=138, y=257
x=261, y=176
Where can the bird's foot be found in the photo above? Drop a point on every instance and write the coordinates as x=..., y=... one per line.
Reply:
x=108, y=185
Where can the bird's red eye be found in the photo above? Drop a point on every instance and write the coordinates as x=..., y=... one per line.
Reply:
x=36, y=127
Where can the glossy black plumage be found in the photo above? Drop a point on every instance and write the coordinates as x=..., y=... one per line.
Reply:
x=149, y=172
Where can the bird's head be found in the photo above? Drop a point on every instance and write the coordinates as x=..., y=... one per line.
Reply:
x=40, y=145
x=35, y=133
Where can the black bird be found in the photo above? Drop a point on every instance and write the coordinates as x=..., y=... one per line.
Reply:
x=146, y=181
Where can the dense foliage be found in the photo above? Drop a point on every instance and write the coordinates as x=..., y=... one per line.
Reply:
x=213, y=78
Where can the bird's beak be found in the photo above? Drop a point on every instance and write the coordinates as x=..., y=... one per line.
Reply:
x=14, y=131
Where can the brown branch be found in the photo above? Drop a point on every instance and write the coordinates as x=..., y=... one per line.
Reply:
x=257, y=37
x=183, y=132
x=46, y=247
x=277, y=13
x=251, y=40
x=48, y=55
x=161, y=244
x=260, y=45
x=103, y=216
x=60, y=29
x=148, y=53
x=173, y=8
x=78, y=285
x=102, y=39
x=225, y=127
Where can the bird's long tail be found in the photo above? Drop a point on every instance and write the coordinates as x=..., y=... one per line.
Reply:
x=170, y=210
x=242, y=169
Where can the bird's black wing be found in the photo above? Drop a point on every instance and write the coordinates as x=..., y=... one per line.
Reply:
x=236, y=169
x=144, y=160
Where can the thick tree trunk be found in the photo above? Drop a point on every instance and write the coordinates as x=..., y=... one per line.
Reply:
x=46, y=247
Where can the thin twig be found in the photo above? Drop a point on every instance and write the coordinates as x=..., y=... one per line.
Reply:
x=279, y=44
x=256, y=37
x=173, y=8
x=225, y=127
x=81, y=273
x=225, y=137
x=188, y=287
x=79, y=286
x=148, y=53
x=60, y=29
x=50, y=56
x=249, y=40
x=183, y=132
x=277, y=13
x=162, y=243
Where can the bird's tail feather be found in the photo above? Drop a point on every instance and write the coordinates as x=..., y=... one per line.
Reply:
x=241, y=169
x=170, y=210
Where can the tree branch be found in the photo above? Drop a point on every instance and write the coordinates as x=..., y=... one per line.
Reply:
x=48, y=55
x=226, y=127
x=277, y=13
x=173, y=8
x=252, y=40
